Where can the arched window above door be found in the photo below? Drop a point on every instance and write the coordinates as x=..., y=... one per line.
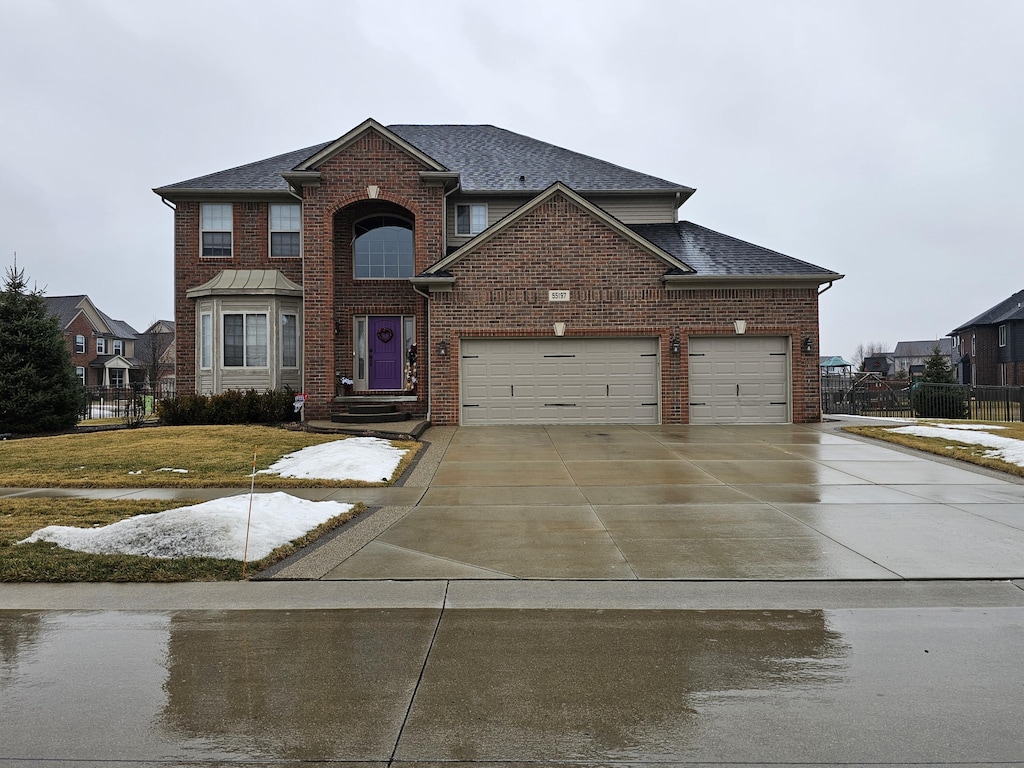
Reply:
x=383, y=248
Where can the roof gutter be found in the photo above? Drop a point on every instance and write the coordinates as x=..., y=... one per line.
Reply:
x=685, y=281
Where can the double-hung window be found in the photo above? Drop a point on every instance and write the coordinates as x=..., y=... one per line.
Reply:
x=80, y=373
x=470, y=219
x=245, y=340
x=101, y=346
x=216, y=226
x=285, y=231
x=1002, y=335
x=80, y=345
x=118, y=346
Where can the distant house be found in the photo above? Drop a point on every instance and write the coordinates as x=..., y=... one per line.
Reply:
x=990, y=347
x=102, y=349
x=155, y=353
x=909, y=356
x=881, y=363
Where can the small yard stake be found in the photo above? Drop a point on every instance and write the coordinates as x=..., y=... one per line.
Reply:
x=248, y=522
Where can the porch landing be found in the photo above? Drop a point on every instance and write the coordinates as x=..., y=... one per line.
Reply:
x=390, y=430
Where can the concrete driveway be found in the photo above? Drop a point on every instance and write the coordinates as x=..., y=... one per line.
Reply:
x=790, y=502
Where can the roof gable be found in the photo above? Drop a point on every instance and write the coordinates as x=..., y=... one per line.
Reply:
x=340, y=144
x=557, y=188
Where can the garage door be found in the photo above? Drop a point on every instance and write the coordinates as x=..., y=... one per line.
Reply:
x=739, y=380
x=559, y=381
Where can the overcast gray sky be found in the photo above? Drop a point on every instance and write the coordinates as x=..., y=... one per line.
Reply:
x=883, y=139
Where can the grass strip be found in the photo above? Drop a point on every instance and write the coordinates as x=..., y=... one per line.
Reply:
x=214, y=457
x=47, y=562
x=971, y=453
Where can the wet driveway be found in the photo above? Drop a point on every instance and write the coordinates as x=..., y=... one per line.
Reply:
x=787, y=502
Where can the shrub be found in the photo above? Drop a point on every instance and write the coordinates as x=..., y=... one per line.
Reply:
x=231, y=407
x=939, y=401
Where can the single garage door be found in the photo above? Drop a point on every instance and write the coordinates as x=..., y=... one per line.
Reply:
x=739, y=380
x=559, y=381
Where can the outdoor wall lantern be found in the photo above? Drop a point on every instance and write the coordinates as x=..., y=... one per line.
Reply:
x=559, y=329
x=740, y=326
x=808, y=347
x=674, y=346
x=442, y=348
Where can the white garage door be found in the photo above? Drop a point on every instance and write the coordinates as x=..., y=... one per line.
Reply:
x=559, y=381
x=739, y=380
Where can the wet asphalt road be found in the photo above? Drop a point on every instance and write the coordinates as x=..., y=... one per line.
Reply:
x=498, y=686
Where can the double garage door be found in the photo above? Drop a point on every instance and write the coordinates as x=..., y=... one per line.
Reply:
x=560, y=381
x=739, y=380
x=733, y=380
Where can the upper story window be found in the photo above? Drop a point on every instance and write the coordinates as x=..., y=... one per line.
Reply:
x=285, y=231
x=216, y=225
x=118, y=347
x=1002, y=335
x=383, y=248
x=974, y=345
x=470, y=219
x=80, y=345
x=101, y=346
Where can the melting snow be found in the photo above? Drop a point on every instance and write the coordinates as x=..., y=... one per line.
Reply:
x=217, y=528
x=1003, y=448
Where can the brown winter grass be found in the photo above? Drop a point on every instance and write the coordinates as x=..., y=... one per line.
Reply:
x=974, y=454
x=46, y=562
x=215, y=457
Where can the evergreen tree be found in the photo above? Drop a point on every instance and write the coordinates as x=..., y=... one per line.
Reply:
x=39, y=390
x=937, y=369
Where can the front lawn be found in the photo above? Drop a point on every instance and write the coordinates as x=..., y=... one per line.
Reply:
x=46, y=562
x=166, y=457
x=957, y=443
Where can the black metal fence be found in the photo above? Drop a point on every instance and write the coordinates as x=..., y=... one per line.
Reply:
x=869, y=395
x=122, y=402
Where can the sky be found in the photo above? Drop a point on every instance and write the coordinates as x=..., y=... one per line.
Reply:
x=239, y=527
x=878, y=138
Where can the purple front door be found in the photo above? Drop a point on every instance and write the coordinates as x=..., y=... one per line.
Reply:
x=385, y=352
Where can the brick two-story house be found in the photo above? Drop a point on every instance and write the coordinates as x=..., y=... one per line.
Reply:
x=102, y=349
x=479, y=276
x=990, y=347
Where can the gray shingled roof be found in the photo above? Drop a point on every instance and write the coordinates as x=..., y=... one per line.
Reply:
x=489, y=159
x=1005, y=311
x=711, y=253
x=923, y=348
x=66, y=307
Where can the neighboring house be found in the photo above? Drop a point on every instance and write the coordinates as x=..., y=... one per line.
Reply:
x=989, y=349
x=881, y=363
x=483, y=277
x=909, y=356
x=155, y=353
x=102, y=349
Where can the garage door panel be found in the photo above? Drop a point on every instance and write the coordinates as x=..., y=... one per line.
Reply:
x=560, y=381
x=739, y=380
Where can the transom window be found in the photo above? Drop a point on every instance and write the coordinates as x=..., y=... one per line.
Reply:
x=217, y=226
x=285, y=231
x=245, y=340
x=470, y=219
x=383, y=248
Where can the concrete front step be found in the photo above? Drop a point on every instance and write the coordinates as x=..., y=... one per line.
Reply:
x=369, y=418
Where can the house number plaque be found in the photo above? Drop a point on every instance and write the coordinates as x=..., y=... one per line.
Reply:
x=558, y=295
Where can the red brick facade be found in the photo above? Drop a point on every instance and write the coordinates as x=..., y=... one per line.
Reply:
x=616, y=290
x=500, y=288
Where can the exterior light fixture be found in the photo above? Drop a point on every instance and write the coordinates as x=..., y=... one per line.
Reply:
x=559, y=329
x=674, y=346
x=740, y=326
x=808, y=346
x=442, y=348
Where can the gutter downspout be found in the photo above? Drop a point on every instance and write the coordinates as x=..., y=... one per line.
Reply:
x=827, y=287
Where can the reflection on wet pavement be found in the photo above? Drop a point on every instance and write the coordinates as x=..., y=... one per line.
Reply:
x=591, y=686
